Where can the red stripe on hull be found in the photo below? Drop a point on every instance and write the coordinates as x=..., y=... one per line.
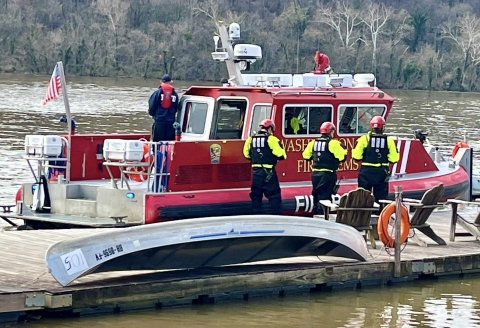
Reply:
x=296, y=197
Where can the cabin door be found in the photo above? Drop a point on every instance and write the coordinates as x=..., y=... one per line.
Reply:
x=260, y=112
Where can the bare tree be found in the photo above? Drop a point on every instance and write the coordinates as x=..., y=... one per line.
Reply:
x=116, y=12
x=465, y=32
x=343, y=17
x=210, y=8
x=376, y=17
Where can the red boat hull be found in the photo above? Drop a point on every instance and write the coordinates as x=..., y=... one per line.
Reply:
x=296, y=198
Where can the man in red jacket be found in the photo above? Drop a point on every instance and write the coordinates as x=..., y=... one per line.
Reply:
x=322, y=64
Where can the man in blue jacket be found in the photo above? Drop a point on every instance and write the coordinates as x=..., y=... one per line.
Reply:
x=162, y=106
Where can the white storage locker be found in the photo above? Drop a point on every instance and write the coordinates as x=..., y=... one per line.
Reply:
x=133, y=150
x=33, y=144
x=52, y=145
x=114, y=149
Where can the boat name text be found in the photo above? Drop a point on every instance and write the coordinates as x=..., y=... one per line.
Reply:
x=304, y=166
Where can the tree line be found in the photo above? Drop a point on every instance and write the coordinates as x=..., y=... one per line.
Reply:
x=409, y=44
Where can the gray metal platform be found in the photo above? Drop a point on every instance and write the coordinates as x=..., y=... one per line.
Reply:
x=49, y=219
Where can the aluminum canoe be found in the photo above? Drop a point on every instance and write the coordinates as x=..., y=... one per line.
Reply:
x=202, y=242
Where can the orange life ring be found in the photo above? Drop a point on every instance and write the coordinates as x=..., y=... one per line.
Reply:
x=136, y=174
x=383, y=221
x=460, y=144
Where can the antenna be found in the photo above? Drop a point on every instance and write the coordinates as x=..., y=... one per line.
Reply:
x=216, y=38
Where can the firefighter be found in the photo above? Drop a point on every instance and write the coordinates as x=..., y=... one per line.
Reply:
x=376, y=151
x=326, y=153
x=264, y=150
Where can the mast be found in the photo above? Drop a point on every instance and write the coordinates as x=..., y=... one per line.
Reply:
x=69, y=118
x=237, y=58
x=234, y=72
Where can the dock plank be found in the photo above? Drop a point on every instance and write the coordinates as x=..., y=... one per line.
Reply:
x=23, y=270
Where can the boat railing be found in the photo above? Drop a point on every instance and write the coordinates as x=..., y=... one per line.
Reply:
x=301, y=92
x=158, y=174
x=439, y=153
x=331, y=93
x=408, y=135
x=152, y=169
x=396, y=136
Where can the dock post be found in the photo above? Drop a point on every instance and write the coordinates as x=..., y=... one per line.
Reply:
x=398, y=220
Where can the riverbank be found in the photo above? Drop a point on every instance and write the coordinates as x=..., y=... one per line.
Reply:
x=26, y=287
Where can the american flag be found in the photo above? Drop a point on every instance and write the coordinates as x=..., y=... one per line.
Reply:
x=54, y=86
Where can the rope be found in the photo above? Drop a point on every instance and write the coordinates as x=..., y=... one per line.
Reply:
x=387, y=249
x=35, y=279
x=379, y=253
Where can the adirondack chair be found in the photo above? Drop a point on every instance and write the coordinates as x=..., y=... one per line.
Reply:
x=355, y=209
x=468, y=220
x=423, y=210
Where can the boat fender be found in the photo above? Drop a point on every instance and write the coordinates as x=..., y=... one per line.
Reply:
x=147, y=158
x=458, y=145
x=383, y=225
x=19, y=195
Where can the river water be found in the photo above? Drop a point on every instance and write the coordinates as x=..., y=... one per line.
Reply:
x=119, y=105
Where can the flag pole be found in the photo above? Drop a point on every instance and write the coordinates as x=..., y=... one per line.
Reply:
x=69, y=117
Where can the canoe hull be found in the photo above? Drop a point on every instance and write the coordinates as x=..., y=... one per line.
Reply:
x=203, y=242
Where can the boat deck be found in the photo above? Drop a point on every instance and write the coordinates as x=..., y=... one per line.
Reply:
x=51, y=219
x=26, y=285
x=9, y=215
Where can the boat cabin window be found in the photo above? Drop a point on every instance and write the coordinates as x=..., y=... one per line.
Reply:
x=356, y=119
x=230, y=116
x=305, y=120
x=260, y=112
x=195, y=117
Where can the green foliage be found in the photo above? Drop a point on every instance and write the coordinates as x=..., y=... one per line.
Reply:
x=418, y=21
x=399, y=69
x=430, y=73
x=458, y=79
x=409, y=70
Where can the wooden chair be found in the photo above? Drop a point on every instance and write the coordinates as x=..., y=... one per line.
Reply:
x=423, y=210
x=470, y=221
x=354, y=209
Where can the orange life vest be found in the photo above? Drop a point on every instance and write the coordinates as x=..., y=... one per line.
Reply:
x=166, y=96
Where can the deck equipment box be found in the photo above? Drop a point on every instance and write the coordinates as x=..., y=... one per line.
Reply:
x=133, y=150
x=114, y=150
x=52, y=146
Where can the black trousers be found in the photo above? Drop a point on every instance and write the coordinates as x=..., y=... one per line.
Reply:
x=162, y=131
x=323, y=184
x=376, y=178
x=265, y=182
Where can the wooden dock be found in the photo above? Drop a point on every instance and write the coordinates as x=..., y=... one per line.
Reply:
x=26, y=287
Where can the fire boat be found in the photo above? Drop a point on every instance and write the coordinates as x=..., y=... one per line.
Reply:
x=111, y=180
